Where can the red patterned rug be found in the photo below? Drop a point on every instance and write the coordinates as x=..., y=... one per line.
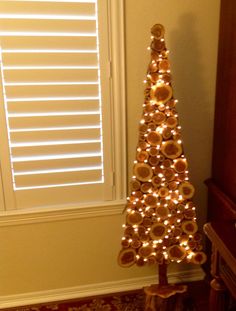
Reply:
x=196, y=299
x=118, y=302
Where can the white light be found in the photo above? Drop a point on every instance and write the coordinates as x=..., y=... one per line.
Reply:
x=53, y=171
x=60, y=185
x=40, y=129
x=50, y=83
x=46, y=34
x=48, y=17
x=54, y=143
x=72, y=1
x=42, y=99
x=40, y=51
x=52, y=114
x=48, y=67
x=56, y=157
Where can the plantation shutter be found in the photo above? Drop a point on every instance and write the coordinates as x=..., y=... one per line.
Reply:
x=56, y=99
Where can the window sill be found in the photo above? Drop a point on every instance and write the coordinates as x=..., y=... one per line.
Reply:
x=19, y=217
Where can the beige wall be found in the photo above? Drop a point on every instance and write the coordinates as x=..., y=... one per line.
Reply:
x=77, y=252
x=61, y=254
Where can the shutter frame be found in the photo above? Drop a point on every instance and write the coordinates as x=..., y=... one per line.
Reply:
x=104, y=192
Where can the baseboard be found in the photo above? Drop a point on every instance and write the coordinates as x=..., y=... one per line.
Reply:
x=26, y=299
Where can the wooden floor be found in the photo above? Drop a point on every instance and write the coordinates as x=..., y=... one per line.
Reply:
x=196, y=299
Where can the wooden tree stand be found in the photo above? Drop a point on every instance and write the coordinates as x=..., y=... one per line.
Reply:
x=164, y=296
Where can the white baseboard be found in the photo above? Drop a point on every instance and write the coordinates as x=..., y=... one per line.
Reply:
x=26, y=299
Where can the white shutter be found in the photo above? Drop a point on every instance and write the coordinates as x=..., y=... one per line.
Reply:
x=56, y=84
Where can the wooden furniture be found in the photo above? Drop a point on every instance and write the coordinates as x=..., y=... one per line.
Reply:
x=222, y=184
x=164, y=298
x=223, y=265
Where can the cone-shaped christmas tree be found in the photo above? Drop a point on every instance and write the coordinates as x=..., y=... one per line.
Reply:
x=160, y=215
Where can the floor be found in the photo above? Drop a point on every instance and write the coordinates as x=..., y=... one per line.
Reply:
x=195, y=300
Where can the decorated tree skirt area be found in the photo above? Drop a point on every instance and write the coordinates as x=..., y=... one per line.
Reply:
x=195, y=299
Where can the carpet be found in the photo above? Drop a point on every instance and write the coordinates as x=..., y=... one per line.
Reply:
x=196, y=299
x=117, y=302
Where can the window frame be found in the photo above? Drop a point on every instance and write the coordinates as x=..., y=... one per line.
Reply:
x=117, y=99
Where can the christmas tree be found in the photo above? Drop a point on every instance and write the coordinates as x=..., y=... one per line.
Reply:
x=160, y=215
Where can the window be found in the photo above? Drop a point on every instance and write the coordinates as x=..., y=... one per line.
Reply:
x=58, y=101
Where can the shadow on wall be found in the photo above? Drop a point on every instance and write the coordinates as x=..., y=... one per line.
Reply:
x=190, y=88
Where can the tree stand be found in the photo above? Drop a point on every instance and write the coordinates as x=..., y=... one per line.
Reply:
x=164, y=296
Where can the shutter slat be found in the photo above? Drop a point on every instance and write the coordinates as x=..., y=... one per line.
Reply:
x=54, y=121
x=37, y=25
x=55, y=135
x=56, y=43
x=54, y=164
x=56, y=150
x=44, y=7
x=58, y=178
x=49, y=75
x=51, y=91
x=51, y=106
x=48, y=196
x=50, y=59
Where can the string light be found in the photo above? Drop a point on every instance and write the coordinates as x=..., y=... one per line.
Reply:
x=147, y=202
